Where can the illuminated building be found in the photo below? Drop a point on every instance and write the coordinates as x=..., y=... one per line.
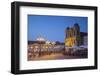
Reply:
x=41, y=44
x=41, y=39
x=74, y=37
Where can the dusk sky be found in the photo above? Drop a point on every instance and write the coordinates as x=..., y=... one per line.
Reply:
x=52, y=28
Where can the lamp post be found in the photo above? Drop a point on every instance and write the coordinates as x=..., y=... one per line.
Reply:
x=53, y=44
x=40, y=41
x=48, y=44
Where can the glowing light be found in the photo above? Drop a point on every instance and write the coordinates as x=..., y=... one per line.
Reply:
x=47, y=42
x=70, y=41
x=36, y=46
x=53, y=43
x=31, y=47
x=40, y=39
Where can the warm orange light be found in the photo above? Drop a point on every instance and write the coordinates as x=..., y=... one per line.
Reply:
x=70, y=41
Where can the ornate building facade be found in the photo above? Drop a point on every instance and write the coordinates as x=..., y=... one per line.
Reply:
x=73, y=36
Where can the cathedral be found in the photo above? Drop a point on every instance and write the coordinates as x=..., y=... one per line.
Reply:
x=73, y=36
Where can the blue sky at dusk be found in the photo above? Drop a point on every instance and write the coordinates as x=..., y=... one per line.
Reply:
x=52, y=28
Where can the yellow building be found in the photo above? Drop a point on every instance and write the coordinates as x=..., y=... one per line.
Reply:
x=72, y=36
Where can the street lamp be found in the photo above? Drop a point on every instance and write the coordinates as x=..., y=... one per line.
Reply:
x=40, y=40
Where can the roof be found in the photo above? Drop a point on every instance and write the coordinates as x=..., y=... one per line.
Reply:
x=83, y=33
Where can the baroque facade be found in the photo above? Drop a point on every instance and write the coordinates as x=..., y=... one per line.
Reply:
x=73, y=36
